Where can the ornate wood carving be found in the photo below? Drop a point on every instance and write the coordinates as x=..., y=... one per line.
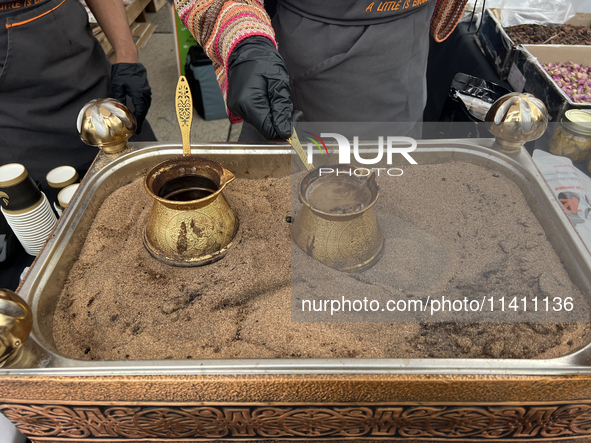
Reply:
x=185, y=423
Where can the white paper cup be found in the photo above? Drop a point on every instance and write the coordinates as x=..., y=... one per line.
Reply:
x=34, y=242
x=31, y=222
x=18, y=190
x=32, y=246
x=33, y=226
x=66, y=194
x=61, y=177
x=58, y=178
x=58, y=209
x=30, y=229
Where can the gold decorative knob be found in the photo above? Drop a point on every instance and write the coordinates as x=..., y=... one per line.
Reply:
x=16, y=322
x=106, y=124
x=515, y=119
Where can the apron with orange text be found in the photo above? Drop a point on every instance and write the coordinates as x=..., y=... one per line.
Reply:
x=355, y=61
x=51, y=66
x=352, y=60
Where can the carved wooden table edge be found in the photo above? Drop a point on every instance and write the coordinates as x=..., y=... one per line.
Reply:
x=427, y=407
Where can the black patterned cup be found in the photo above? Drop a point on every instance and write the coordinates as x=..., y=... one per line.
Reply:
x=18, y=191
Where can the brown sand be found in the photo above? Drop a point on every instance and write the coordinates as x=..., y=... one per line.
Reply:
x=469, y=227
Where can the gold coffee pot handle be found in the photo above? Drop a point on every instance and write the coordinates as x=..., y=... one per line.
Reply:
x=184, y=112
x=16, y=322
x=294, y=141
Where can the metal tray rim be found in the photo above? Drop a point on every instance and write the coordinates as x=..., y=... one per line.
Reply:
x=578, y=362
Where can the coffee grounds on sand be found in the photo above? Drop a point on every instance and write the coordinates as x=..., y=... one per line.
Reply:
x=121, y=303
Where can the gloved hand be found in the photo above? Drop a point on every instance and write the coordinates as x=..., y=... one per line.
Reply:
x=132, y=79
x=258, y=87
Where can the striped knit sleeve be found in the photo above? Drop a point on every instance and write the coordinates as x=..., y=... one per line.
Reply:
x=219, y=25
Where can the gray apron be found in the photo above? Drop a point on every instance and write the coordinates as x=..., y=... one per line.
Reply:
x=347, y=64
x=52, y=66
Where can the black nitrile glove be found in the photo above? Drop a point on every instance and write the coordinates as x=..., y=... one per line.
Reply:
x=131, y=79
x=258, y=87
x=297, y=117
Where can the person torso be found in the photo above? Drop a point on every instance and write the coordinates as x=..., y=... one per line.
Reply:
x=16, y=5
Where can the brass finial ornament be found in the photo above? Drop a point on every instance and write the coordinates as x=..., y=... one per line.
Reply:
x=16, y=322
x=107, y=124
x=515, y=119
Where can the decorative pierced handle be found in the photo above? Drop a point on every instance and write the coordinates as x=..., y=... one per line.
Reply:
x=294, y=141
x=184, y=112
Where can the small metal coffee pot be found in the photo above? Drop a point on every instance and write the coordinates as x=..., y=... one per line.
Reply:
x=191, y=223
x=337, y=224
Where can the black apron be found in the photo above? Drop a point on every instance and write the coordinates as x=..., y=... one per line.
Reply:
x=52, y=66
x=351, y=63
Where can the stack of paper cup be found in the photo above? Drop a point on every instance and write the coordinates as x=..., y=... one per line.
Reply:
x=25, y=207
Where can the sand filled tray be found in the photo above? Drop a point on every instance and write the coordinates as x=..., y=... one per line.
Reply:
x=463, y=228
x=126, y=345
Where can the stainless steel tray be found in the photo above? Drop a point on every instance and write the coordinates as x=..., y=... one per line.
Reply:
x=447, y=384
